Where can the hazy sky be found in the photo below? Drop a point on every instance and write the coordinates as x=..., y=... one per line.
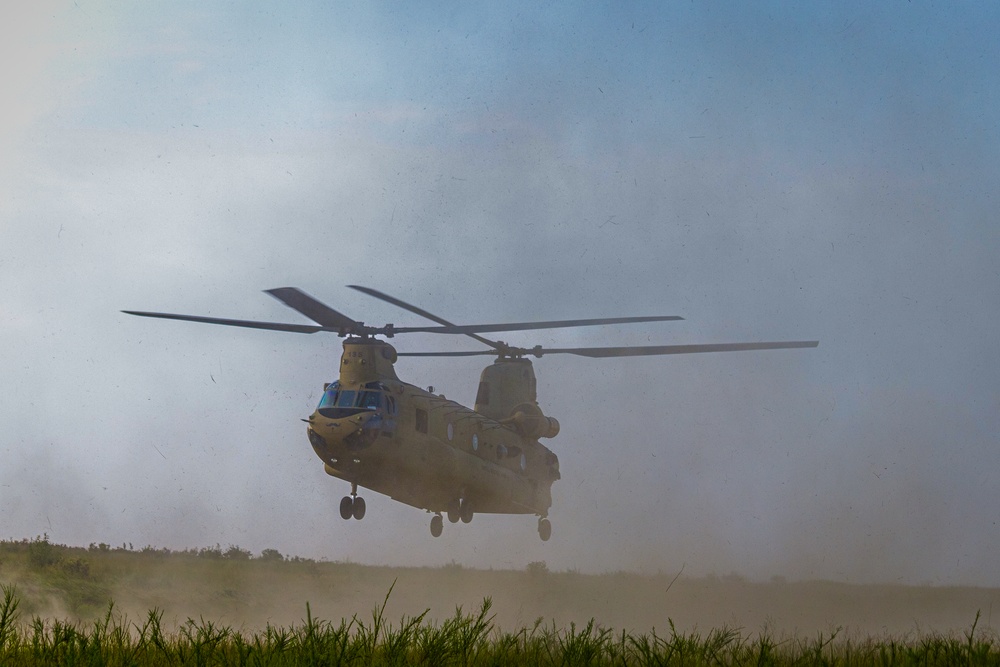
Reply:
x=776, y=172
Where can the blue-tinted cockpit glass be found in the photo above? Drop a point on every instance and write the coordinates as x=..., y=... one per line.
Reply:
x=346, y=398
x=335, y=397
x=329, y=395
x=329, y=399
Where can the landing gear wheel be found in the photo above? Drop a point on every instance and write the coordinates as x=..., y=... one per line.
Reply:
x=544, y=529
x=454, y=511
x=437, y=525
x=346, y=507
x=359, y=508
x=466, y=511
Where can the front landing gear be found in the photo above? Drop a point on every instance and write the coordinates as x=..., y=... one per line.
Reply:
x=437, y=525
x=352, y=506
x=544, y=529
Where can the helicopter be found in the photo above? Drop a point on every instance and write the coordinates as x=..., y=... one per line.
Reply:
x=378, y=432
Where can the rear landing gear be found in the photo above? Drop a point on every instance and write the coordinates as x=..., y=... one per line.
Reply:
x=466, y=511
x=460, y=508
x=352, y=506
x=544, y=529
x=437, y=525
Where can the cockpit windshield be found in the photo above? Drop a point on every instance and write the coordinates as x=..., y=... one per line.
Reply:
x=345, y=398
x=329, y=399
x=372, y=397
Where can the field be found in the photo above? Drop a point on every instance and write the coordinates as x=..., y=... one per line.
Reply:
x=223, y=606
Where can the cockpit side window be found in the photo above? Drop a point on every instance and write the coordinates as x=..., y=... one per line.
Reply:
x=371, y=400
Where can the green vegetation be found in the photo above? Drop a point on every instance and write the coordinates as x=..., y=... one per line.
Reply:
x=56, y=609
x=464, y=639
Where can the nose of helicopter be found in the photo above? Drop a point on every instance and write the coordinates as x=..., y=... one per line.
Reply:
x=334, y=435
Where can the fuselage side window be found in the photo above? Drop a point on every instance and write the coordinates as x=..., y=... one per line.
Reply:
x=421, y=420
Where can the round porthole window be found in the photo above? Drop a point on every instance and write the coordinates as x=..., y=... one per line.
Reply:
x=501, y=451
x=524, y=462
x=475, y=442
x=451, y=431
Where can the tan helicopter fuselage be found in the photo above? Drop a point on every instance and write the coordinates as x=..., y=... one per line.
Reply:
x=378, y=432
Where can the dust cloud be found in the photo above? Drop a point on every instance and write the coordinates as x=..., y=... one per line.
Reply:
x=252, y=594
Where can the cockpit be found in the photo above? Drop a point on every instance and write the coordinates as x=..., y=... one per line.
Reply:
x=338, y=403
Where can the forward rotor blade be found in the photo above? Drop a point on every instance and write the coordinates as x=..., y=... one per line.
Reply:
x=649, y=350
x=628, y=351
x=527, y=326
x=315, y=310
x=248, y=324
x=423, y=313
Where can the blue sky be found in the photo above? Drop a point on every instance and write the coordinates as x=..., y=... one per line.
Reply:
x=774, y=172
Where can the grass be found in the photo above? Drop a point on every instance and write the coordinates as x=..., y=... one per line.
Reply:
x=464, y=639
x=59, y=613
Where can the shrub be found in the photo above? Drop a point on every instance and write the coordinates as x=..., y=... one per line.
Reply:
x=537, y=568
x=236, y=553
x=210, y=552
x=77, y=567
x=41, y=553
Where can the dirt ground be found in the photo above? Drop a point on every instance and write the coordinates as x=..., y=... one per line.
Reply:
x=250, y=595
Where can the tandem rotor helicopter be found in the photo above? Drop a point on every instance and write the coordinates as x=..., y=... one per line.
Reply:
x=375, y=431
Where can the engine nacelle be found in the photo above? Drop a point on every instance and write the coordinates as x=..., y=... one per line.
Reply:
x=528, y=420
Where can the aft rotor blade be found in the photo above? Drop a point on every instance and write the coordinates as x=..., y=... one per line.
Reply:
x=650, y=350
x=527, y=326
x=315, y=310
x=423, y=313
x=249, y=324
